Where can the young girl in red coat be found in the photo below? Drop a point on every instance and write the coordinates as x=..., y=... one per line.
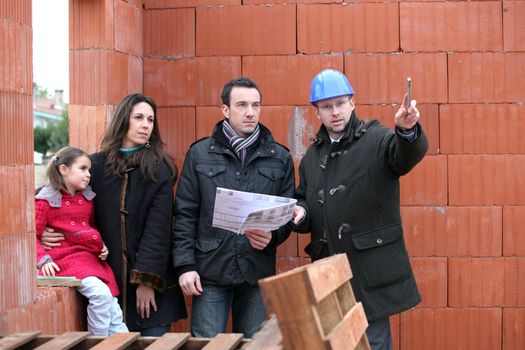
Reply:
x=66, y=205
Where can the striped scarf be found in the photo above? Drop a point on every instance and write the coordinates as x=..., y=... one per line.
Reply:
x=240, y=145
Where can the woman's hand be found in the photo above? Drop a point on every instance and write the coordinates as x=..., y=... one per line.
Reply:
x=50, y=238
x=145, y=300
x=104, y=253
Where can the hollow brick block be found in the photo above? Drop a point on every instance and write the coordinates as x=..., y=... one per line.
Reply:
x=18, y=11
x=177, y=129
x=367, y=27
x=16, y=113
x=87, y=125
x=16, y=57
x=431, y=278
x=486, y=282
x=486, y=77
x=426, y=183
x=464, y=128
x=514, y=25
x=486, y=179
x=238, y=30
x=166, y=4
x=129, y=24
x=513, y=328
x=102, y=76
x=169, y=33
x=514, y=231
x=434, y=26
x=451, y=328
x=19, y=268
x=381, y=78
x=91, y=24
x=453, y=231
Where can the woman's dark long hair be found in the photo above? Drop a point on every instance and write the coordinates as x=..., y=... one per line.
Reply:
x=148, y=159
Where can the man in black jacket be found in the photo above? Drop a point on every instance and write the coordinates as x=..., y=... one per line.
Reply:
x=219, y=268
x=348, y=198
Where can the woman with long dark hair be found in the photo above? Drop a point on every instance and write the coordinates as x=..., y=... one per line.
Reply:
x=133, y=178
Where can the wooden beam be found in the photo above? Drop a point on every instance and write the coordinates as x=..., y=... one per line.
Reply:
x=348, y=333
x=18, y=339
x=56, y=281
x=328, y=274
x=65, y=341
x=224, y=341
x=117, y=341
x=169, y=341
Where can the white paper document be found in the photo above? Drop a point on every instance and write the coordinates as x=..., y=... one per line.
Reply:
x=239, y=211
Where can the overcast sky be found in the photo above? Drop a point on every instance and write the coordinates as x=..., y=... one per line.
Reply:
x=50, y=45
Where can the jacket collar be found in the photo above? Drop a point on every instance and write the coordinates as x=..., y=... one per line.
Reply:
x=54, y=197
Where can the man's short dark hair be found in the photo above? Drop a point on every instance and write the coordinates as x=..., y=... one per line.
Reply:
x=237, y=82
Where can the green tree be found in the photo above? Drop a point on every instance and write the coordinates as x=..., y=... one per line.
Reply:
x=59, y=136
x=41, y=139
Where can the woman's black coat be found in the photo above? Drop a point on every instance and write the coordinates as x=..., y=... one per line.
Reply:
x=148, y=220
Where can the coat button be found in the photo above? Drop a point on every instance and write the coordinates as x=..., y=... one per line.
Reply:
x=210, y=173
x=72, y=223
x=379, y=241
x=80, y=201
x=84, y=223
x=95, y=237
x=68, y=203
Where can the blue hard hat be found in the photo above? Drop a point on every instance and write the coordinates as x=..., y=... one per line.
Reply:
x=329, y=83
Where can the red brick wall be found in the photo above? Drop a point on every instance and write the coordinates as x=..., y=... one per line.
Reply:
x=463, y=206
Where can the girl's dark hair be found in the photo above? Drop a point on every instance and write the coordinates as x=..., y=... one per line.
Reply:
x=148, y=159
x=65, y=156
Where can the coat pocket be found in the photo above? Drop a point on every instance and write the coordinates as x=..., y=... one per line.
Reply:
x=273, y=174
x=210, y=170
x=381, y=256
x=269, y=180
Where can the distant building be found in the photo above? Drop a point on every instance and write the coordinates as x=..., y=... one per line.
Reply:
x=48, y=110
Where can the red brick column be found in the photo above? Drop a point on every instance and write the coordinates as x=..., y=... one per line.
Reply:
x=17, y=251
x=105, y=56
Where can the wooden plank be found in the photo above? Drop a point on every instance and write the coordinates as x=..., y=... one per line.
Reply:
x=117, y=341
x=346, y=298
x=328, y=313
x=57, y=281
x=65, y=341
x=328, y=274
x=224, y=341
x=268, y=338
x=169, y=341
x=18, y=339
x=348, y=333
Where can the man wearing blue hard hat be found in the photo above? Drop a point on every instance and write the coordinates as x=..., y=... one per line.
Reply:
x=348, y=198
